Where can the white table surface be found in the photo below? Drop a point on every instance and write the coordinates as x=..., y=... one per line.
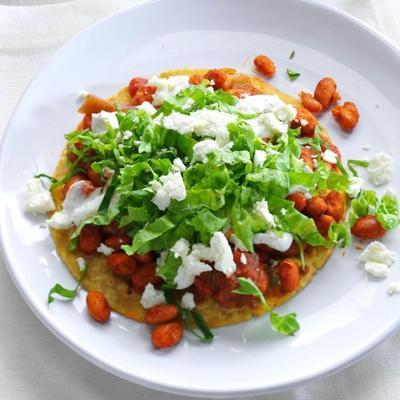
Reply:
x=36, y=365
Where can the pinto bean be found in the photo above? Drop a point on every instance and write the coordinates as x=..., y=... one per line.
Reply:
x=71, y=181
x=144, y=274
x=292, y=251
x=144, y=258
x=195, y=79
x=94, y=104
x=135, y=84
x=143, y=93
x=310, y=103
x=289, y=274
x=306, y=120
x=98, y=306
x=95, y=177
x=335, y=205
x=161, y=313
x=112, y=229
x=323, y=223
x=121, y=264
x=368, y=228
x=89, y=239
x=220, y=79
x=347, y=115
x=299, y=200
x=117, y=240
x=316, y=206
x=167, y=335
x=325, y=92
x=265, y=65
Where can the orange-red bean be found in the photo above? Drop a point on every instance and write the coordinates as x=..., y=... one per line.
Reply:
x=265, y=65
x=219, y=79
x=135, y=84
x=167, y=335
x=311, y=104
x=368, y=228
x=299, y=200
x=347, y=115
x=121, y=264
x=323, y=223
x=315, y=206
x=161, y=313
x=98, y=306
x=335, y=205
x=289, y=274
x=117, y=240
x=94, y=104
x=89, y=239
x=325, y=92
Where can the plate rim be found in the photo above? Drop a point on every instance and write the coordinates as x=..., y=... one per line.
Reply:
x=147, y=382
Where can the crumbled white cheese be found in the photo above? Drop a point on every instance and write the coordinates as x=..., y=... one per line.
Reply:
x=301, y=189
x=170, y=188
x=147, y=107
x=355, y=185
x=259, y=158
x=377, y=252
x=167, y=88
x=304, y=122
x=377, y=270
x=380, y=168
x=191, y=267
x=272, y=239
x=187, y=301
x=262, y=103
x=106, y=250
x=181, y=248
x=285, y=112
x=243, y=259
x=188, y=104
x=261, y=209
x=178, y=165
x=81, y=263
x=127, y=135
x=201, y=149
x=152, y=297
x=329, y=156
x=274, y=125
x=283, y=211
x=222, y=254
x=204, y=122
x=394, y=288
x=38, y=199
x=102, y=120
x=76, y=207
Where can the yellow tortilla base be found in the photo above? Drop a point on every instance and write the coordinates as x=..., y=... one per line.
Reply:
x=118, y=292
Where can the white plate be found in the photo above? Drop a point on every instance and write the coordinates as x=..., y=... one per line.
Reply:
x=342, y=314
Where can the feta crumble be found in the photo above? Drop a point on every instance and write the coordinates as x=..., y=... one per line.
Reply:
x=167, y=88
x=272, y=239
x=221, y=254
x=106, y=250
x=366, y=146
x=178, y=165
x=102, y=120
x=380, y=168
x=187, y=301
x=76, y=207
x=329, y=156
x=38, y=199
x=243, y=259
x=355, y=186
x=201, y=149
x=81, y=263
x=261, y=209
x=394, y=288
x=376, y=269
x=152, y=297
x=170, y=188
x=259, y=158
x=82, y=94
x=147, y=107
x=377, y=252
